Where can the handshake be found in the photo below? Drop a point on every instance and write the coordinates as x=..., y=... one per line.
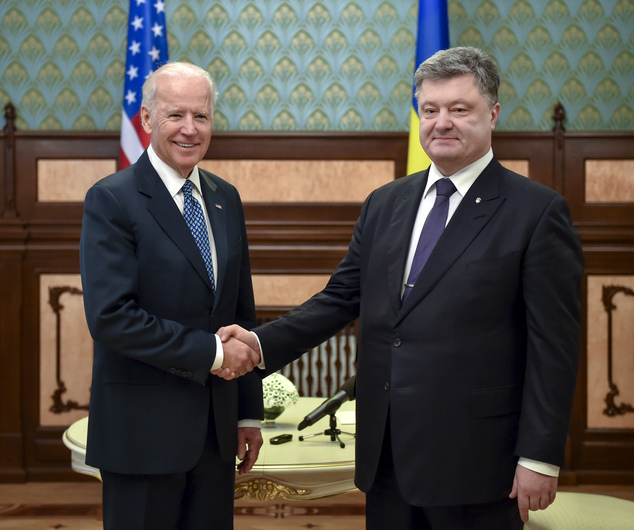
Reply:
x=241, y=352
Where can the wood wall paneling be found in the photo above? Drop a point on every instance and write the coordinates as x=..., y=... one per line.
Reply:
x=534, y=148
x=31, y=147
x=610, y=337
x=67, y=181
x=599, y=223
x=11, y=426
x=293, y=244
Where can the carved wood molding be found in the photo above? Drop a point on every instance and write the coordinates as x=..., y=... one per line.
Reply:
x=612, y=409
x=54, y=299
x=262, y=489
x=8, y=208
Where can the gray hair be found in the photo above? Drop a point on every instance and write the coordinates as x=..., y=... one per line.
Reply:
x=180, y=69
x=459, y=61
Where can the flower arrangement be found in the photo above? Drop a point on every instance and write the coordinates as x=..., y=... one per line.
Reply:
x=278, y=391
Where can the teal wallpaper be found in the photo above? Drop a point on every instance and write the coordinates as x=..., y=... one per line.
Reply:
x=328, y=65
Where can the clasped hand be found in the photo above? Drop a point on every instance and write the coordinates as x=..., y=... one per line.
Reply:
x=241, y=352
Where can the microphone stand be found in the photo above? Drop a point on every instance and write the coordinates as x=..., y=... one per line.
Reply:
x=333, y=432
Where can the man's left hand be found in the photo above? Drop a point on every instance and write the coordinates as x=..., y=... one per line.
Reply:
x=249, y=443
x=534, y=491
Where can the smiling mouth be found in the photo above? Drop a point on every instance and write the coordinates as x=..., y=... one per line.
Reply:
x=184, y=145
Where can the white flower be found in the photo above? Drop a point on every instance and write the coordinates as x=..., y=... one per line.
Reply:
x=278, y=391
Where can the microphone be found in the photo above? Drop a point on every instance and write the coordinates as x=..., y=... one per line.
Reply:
x=330, y=406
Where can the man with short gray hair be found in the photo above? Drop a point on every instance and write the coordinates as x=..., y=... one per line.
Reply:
x=466, y=280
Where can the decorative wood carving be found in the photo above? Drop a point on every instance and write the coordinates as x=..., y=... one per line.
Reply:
x=54, y=297
x=612, y=409
x=559, y=115
x=8, y=210
x=261, y=489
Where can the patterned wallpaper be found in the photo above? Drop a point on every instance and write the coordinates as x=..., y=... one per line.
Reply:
x=321, y=65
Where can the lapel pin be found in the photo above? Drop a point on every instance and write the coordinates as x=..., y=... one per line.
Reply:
x=478, y=200
x=218, y=206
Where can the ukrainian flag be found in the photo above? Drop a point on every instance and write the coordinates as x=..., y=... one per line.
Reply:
x=433, y=35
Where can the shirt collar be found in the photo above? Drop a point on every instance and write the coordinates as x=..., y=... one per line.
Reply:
x=462, y=179
x=171, y=178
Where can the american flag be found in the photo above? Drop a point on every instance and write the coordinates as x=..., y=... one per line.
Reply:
x=147, y=50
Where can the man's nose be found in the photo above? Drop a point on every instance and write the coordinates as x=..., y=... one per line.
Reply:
x=443, y=121
x=188, y=126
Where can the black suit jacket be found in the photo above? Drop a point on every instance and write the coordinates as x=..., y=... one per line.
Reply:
x=152, y=313
x=479, y=365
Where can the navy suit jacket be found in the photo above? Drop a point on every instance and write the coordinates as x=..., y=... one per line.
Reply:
x=152, y=313
x=478, y=366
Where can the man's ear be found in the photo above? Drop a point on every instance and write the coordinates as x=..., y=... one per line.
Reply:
x=495, y=114
x=145, y=119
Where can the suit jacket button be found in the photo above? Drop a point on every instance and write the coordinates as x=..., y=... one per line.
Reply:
x=396, y=342
x=172, y=370
x=386, y=386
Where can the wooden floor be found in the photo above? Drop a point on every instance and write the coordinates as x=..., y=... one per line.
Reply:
x=77, y=506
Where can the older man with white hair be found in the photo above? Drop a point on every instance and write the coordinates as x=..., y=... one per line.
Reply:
x=164, y=264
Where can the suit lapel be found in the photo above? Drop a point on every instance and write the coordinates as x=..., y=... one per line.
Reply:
x=162, y=207
x=475, y=210
x=404, y=213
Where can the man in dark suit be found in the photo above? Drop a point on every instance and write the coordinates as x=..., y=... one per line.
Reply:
x=466, y=373
x=163, y=431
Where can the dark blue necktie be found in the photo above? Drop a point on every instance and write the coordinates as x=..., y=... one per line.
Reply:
x=193, y=213
x=433, y=227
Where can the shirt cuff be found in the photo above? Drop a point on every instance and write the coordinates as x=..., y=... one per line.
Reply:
x=539, y=467
x=250, y=423
x=261, y=365
x=220, y=355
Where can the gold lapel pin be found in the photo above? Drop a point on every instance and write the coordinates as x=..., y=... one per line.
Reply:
x=218, y=206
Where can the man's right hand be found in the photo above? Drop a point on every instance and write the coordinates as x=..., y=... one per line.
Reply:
x=241, y=355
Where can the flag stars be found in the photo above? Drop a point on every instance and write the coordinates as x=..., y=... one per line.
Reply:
x=155, y=53
x=137, y=23
x=157, y=30
x=133, y=72
x=159, y=6
x=130, y=97
x=135, y=47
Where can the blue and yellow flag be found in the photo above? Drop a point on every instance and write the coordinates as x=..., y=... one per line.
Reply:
x=433, y=35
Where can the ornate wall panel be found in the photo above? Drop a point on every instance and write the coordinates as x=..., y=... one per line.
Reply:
x=65, y=351
x=321, y=65
x=610, y=352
